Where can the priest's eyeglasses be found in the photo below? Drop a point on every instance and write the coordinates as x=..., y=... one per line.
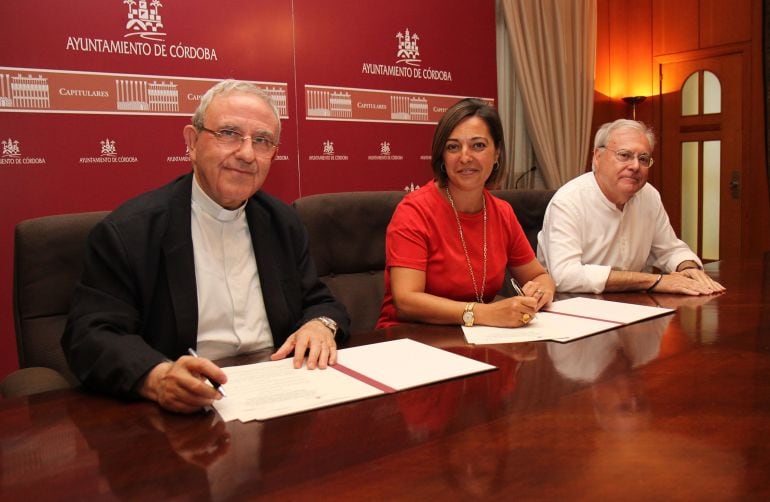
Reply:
x=263, y=146
x=626, y=157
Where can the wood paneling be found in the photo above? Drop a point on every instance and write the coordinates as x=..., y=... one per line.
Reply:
x=757, y=210
x=674, y=26
x=723, y=22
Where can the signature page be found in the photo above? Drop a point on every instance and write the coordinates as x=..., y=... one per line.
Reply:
x=271, y=389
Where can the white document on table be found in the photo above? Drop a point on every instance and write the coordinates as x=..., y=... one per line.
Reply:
x=271, y=389
x=567, y=320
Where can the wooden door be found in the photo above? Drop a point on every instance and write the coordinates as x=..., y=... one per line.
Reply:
x=702, y=150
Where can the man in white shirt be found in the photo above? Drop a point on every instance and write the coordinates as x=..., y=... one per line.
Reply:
x=208, y=262
x=606, y=230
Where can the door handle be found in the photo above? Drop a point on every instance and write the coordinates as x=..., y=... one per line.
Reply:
x=735, y=184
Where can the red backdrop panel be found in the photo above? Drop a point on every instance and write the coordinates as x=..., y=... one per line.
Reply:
x=92, y=106
x=383, y=64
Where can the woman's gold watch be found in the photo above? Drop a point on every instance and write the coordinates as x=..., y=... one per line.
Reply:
x=468, y=316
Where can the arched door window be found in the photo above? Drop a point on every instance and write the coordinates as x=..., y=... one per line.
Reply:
x=701, y=95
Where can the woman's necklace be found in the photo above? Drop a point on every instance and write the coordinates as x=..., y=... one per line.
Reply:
x=479, y=297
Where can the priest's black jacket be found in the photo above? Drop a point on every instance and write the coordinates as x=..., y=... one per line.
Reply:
x=136, y=302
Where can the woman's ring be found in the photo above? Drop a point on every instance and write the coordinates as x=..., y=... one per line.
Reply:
x=526, y=318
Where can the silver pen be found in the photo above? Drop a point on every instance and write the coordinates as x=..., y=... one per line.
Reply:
x=525, y=318
x=516, y=288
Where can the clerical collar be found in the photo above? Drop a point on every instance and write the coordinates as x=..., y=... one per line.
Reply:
x=210, y=207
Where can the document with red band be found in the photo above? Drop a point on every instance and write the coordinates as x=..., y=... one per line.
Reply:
x=272, y=389
x=566, y=320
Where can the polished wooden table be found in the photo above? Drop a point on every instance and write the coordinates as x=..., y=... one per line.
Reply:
x=675, y=408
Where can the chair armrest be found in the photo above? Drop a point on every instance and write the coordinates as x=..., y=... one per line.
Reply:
x=33, y=380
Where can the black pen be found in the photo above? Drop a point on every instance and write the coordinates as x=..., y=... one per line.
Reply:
x=216, y=385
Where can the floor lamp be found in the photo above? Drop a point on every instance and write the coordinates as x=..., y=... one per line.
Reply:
x=633, y=101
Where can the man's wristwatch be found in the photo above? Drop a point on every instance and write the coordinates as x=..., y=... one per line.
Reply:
x=328, y=322
x=468, y=316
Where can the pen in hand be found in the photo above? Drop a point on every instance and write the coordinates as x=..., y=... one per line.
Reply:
x=520, y=292
x=216, y=385
x=516, y=288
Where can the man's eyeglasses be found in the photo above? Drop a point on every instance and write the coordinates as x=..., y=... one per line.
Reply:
x=626, y=157
x=263, y=147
